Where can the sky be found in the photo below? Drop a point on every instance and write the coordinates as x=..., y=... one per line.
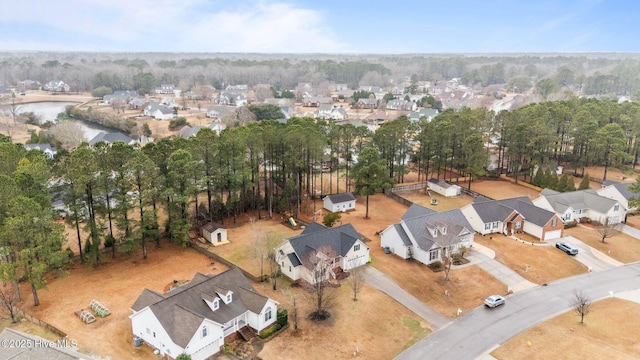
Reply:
x=321, y=26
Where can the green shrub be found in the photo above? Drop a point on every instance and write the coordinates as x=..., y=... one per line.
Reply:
x=282, y=317
x=270, y=331
x=571, y=224
x=177, y=123
x=436, y=264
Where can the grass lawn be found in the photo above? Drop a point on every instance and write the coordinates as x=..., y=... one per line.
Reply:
x=621, y=247
x=607, y=333
x=545, y=263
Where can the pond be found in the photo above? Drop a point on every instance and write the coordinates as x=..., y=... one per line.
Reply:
x=49, y=110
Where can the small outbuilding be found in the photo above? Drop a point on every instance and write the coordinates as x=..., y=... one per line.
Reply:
x=214, y=233
x=340, y=202
x=444, y=188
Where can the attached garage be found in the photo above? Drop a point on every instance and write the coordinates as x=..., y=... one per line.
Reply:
x=550, y=235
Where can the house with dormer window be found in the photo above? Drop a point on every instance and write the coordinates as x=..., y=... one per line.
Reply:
x=345, y=244
x=421, y=231
x=201, y=316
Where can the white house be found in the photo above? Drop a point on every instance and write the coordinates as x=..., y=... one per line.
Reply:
x=423, y=233
x=340, y=202
x=214, y=233
x=343, y=245
x=619, y=192
x=47, y=149
x=443, y=188
x=581, y=204
x=513, y=216
x=199, y=317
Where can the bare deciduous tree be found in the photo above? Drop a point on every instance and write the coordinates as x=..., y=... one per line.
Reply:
x=293, y=298
x=9, y=299
x=319, y=264
x=608, y=230
x=447, y=242
x=581, y=303
x=356, y=278
x=68, y=133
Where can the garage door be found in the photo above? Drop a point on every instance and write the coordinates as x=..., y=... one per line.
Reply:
x=206, y=351
x=550, y=235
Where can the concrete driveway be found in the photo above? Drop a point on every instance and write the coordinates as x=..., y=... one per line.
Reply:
x=594, y=259
x=484, y=257
x=384, y=283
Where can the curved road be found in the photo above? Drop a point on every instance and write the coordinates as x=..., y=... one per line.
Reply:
x=480, y=330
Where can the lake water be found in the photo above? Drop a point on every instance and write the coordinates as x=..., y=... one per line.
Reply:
x=49, y=110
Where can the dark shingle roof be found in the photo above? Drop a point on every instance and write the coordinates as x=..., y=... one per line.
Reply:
x=421, y=228
x=340, y=239
x=181, y=311
x=339, y=198
x=499, y=210
x=416, y=210
x=110, y=138
x=403, y=234
x=211, y=227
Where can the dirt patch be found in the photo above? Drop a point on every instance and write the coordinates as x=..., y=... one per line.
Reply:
x=538, y=264
x=116, y=284
x=620, y=246
x=606, y=334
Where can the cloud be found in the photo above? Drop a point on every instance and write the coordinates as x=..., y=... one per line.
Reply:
x=166, y=25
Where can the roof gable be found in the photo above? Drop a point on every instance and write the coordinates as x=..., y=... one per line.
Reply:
x=340, y=198
x=340, y=239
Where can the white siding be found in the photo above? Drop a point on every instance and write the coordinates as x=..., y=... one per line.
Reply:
x=532, y=229
x=144, y=324
x=390, y=238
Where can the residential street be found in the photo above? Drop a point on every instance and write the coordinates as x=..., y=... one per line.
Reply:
x=480, y=330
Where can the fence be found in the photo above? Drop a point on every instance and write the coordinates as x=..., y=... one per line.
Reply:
x=399, y=199
x=408, y=187
x=218, y=258
x=43, y=324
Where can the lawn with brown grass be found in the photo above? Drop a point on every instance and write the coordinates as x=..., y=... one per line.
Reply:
x=607, y=333
x=545, y=263
x=620, y=246
x=353, y=326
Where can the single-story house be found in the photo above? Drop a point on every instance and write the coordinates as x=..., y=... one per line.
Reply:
x=343, y=245
x=443, y=188
x=427, y=114
x=47, y=149
x=513, y=216
x=201, y=316
x=188, y=131
x=339, y=202
x=214, y=233
x=111, y=138
x=581, y=204
x=422, y=234
x=619, y=192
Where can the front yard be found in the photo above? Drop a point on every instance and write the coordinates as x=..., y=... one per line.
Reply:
x=539, y=264
x=620, y=246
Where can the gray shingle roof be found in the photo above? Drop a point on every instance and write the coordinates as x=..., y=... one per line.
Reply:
x=454, y=221
x=623, y=189
x=581, y=199
x=403, y=234
x=9, y=336
x=181, y=311
x=499, y=210
x=110, y=138
x=338, y=198
x=340, y=239
x=416, y=210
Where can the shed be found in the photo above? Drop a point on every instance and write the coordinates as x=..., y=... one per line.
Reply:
x=340, y=202
x=444, y=188
x=214, y=233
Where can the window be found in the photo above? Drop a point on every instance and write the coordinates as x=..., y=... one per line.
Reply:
x=216, y=304
x=567, y=217
x=154, y=334
x=616, y=207
x=204, y=331
x=228, y=298
x=267, y=314
x=289, y=268
x=433, y=254
x=356, y=247
x=518, y=224
x=487, y=226
x=554, y=222
x=495, y=224
x=350, y=204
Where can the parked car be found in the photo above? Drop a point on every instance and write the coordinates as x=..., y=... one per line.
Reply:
x=494, y=300
x=568, y=248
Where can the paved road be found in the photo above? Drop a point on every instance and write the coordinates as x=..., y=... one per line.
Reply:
x=384, y=283
x=592, y=258
x=480, y=330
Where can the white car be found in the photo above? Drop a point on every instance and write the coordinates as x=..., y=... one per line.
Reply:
x=494, y=300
